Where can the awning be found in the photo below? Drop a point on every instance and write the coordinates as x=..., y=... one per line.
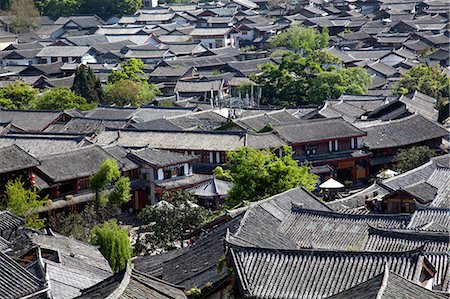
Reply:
x=331, y=184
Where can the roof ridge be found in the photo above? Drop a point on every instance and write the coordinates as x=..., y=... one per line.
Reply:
x=297, y=209
x=384, y=282
x=418, y=251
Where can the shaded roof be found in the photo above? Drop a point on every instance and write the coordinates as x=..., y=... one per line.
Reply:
x=63, y=51
x=387, y=285
x=14, y=158
x=159, y=158
x=259, y=121
x=185, y=140
x=334, y=230
x=430, y=219
x=198, y=86
x=78, y=163
x=9, y=221
x=391, y=239
x=29, y=120
x=43, y=143
x=16, y=281
x=204, y=120
x=275, y=273
x=131, y=283
x=211, y=188
x=317, y=130
x=428, y=183
x=405, y=131
x=111, y=112
x=262, y=220
x=192, y=266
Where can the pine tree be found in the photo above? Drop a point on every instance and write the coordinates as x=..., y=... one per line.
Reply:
x=87, y=85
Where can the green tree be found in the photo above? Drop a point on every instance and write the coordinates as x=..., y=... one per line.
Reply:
x=87, y=85
x=131, y=69
x=58, y=8
x=80, y=225
x=24, y=203
x=108, y=172
x=18, y=95
x=310, y=79
x=430, y=81
x=122, y=191
x=258, y=174
x=301, y=39
x=169, y=219
x=334, y=83
x=407, y=159
x=26, y=15
x=114, y=244
x=109, y=8
x=61, y=98
x=129, y=92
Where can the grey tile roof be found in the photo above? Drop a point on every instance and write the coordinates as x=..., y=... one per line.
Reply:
x=28, y=120
x=42, y=144
x=429, y=183
x=387, y=285
x=198, y=86
x=159, y=158
x=164, y=71
x=85, y=125
x=183, y=182
x=259, y=121
x=275, y=273
x=79, y=163
x=192, y=266
x=186, y=140
x=14, y=158
x=16, y=281
x=437, y=219
x=211, y=188
x=207, y=120
x=133, y=284
x=261, y=223
x=421, y=103
x=318, y=129
x=391, y=239
x=63, y=51
x=401, y=132
x=111, y=113
x=199, y=62
x=143, y=114
x=9, y=221
x=334, y=230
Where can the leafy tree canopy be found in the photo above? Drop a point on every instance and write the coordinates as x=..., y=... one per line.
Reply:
x=430, y=81
x=108, y=172
x=104, y=9
x=80, y=225
x=130, y=70
x=169, y=219
x=26, y=15
x=122, y=191
x=87, y=85
x=114, y=244
x=407, y=159
x=62, y=98
x=58, y=8
x=129, y=92
x=257, y=174
x=310, y=79
x=24, y=203
x=18, y=95
x=301, y=39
